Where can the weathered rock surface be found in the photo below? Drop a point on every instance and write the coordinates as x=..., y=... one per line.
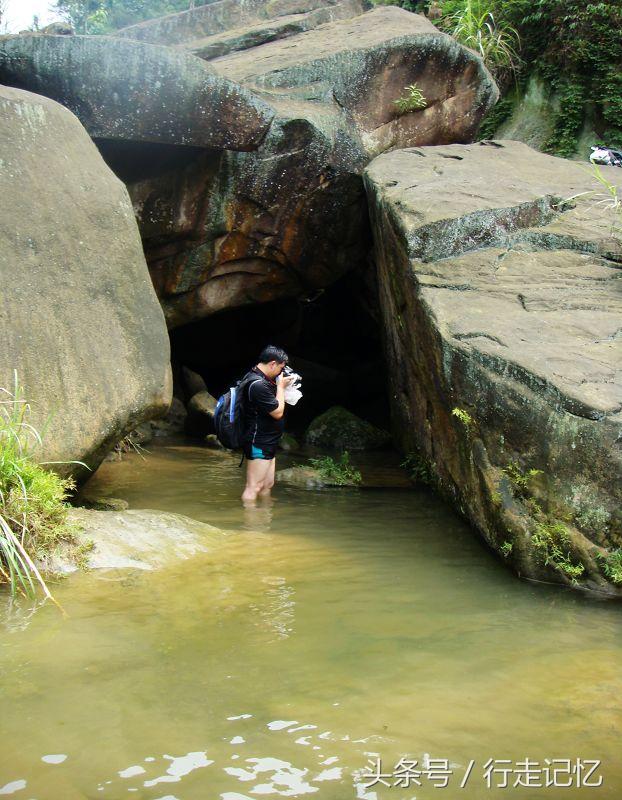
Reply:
x=229, y=229
x=140, y=539
x=502, y=310
x=340, y=429
x=82, y=325
x=132, y=91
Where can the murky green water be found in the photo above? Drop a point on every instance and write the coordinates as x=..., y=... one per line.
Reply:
x=323, y=631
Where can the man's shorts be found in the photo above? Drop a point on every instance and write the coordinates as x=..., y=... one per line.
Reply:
x=264, y=452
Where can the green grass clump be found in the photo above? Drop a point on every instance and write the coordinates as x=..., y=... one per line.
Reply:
x=33, y=512
x=338, y=473
x=551, y=542
x=477, y=26
x=413, y=100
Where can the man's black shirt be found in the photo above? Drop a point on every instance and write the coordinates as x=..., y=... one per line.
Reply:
x=261, y=428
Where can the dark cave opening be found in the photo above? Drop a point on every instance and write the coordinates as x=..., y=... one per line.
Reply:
x=333, y=341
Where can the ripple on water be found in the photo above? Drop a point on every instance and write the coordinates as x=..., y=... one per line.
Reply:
x=327, y=630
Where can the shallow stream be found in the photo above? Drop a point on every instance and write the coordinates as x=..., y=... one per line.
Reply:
x=322, y=632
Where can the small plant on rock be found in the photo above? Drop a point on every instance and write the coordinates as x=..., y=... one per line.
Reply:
x=551, y=542
x=338, y=473
x=465, y=418
x=520, y=480
x=413, y=100
x=506, y=549
x=420, y=470
x=611, y=565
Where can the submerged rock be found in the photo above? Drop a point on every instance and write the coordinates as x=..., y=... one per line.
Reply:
x=82, y=325
x=501, y=304
x=140, y=539
x=340, y=429
x=309, y=478
x=101, y=503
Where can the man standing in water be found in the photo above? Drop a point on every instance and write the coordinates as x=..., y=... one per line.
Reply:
x=264, y=409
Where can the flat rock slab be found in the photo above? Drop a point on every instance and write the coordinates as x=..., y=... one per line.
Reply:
x=212, y=19
x=126, y=90
x=269, y=30
x=137, y=539
x=523, y=287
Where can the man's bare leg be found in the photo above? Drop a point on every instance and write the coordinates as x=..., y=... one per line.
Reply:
x=268, y=481
x=257, y=469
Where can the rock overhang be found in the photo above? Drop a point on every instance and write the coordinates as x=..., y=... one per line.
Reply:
x=133, y=91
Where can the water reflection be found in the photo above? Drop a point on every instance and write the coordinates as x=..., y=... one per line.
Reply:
x=258, y=517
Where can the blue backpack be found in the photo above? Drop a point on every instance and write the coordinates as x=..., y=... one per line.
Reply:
x=229, y=416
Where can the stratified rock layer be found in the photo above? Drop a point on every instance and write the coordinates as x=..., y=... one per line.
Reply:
x=81, y=322
x=502, y=307
x=231, y=229
x=226, y=26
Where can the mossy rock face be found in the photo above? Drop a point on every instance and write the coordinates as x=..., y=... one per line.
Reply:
x=340, y=429
x=501, y=315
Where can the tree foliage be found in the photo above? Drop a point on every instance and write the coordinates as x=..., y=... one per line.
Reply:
x=103, y=16
x=573, y=44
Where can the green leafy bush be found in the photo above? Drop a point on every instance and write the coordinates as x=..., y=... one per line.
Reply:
x=103, y=16
x=612, y=565
x=420, y=470
x=338, y=472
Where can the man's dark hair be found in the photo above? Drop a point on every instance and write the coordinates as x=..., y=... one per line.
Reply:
x=272, y=353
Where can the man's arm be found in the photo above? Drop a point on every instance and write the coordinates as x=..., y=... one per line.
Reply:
x=281, y=384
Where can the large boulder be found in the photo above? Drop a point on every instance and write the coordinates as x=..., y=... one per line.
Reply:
x=123, y=90
x=231, y=229
x=340, y=429
x=82, y=324
x=499, y=280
